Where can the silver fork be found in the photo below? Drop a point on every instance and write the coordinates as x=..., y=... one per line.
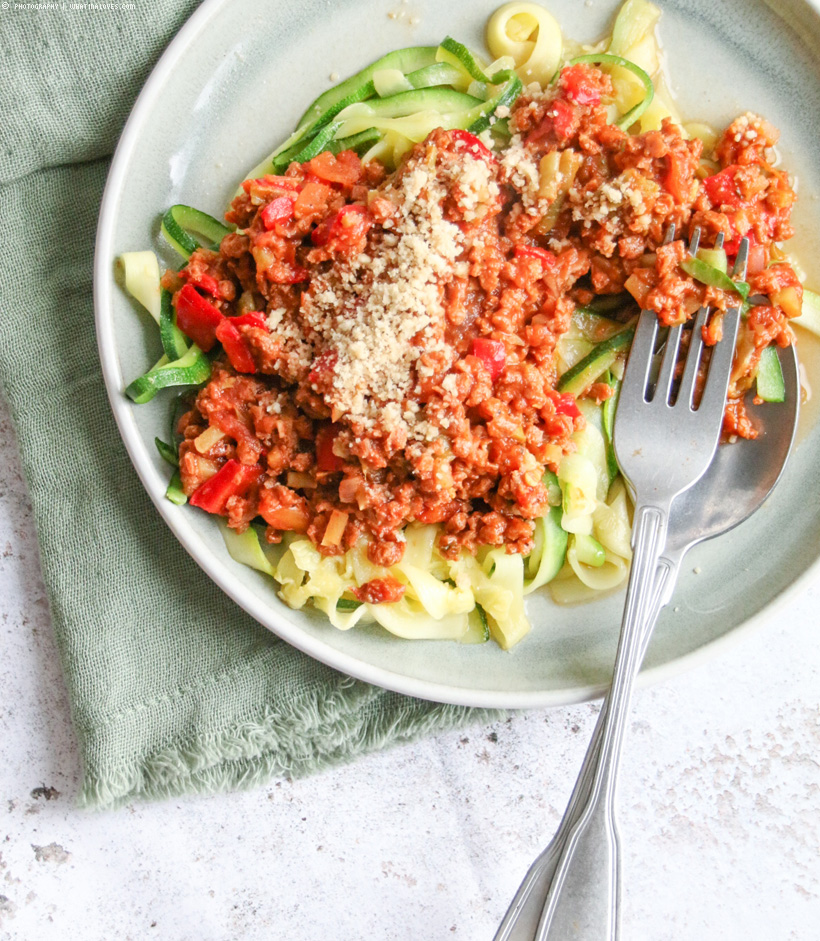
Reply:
x=584, y=896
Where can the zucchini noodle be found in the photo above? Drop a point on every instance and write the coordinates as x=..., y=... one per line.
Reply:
x=141, y=271
x=530, y=36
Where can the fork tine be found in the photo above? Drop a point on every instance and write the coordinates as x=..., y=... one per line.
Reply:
x=714, y=392
x=739, y=270
x=666, y=376
x=686, y=390
x=694, y=242
x=633, y=386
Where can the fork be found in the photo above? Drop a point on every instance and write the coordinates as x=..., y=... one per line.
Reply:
x=584, y=897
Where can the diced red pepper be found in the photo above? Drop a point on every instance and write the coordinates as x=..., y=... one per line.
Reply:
x=344, y=168
x=533, y=251
x=492, y=354
x=235, y=347
x=565, y=405
x=197, y=318
x=578, y=84
x=722, y=188
x=252, y=319
x=277, y=211
x=326, y=460
x=349, y=222
x=232, y=479
x=465, y=141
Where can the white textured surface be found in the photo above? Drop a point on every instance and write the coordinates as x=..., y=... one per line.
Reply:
x=720, y=808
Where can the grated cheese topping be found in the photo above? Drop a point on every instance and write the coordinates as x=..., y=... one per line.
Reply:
x=383, y=309
x=520, y=170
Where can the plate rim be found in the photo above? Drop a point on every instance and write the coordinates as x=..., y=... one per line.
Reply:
x=216, y=569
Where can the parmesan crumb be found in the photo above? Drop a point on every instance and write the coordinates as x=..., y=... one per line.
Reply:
x=381, y=310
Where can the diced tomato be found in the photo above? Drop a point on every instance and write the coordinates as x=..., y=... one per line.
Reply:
x=492, y=354
x=197, y=318
x=232, y=479
x=565, y=405
x=757, y=259
x=578, y=84
x=561, y=121
x=277, y=210
x=321, y=370
x=235, y=347
x=204, y=281
x=379, y=591
x=732, y=246
x=326, y=460
x=344, y=168
x=533, y=251
x=563, y=117
x=465, y=141
x=321, y=234
x=722, y=188
x=252, y=319
x=673, y=178
x=269, y=180
x=312, y=201
x=350, y=222
x=289, y=274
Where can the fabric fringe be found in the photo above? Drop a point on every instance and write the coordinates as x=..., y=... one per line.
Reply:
x=337, y=727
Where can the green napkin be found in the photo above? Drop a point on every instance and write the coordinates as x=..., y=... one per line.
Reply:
x=173, y=688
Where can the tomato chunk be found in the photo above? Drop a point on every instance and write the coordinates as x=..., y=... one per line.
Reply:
x=344, y=168
x=232, y=479
x=349, y=223
x=578, y=84
x=277, y=211
x=533, y=251
x=235, y=347
x=722, y=188
x=204, y=281
x=326, y=459
x=197, y=318
x=492, y=354
x=321, y=370
x=673, y=178
x=565, y=405
x=379, y=591
x=465, y=141
x=252, y=319
x=271, y=183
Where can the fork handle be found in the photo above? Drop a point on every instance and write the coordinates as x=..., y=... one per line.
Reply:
x=520, y=922
x=584, y=898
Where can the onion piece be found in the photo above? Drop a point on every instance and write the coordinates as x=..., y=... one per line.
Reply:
x=205, y=441
x=335, y=528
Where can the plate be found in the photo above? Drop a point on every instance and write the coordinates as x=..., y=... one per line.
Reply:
x=232, y=85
